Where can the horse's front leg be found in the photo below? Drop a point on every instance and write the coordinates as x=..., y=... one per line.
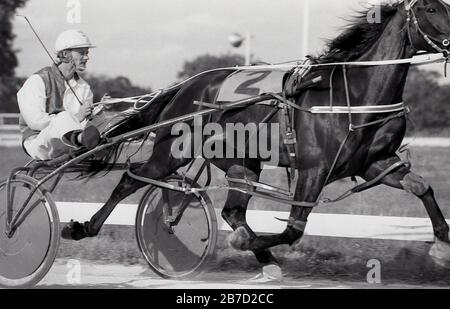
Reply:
x=406, y=180
x=308, y=189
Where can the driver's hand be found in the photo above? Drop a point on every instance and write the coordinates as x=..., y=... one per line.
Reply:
x=106, y=97
x=85, y=112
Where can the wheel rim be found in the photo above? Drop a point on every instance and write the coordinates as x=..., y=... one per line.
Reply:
x=23, y=255
x=182, y=253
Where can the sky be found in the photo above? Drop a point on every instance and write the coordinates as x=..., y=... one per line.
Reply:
x=149, y=40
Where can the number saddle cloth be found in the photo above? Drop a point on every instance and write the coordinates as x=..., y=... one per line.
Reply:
x=246, y=83
x=253, y=81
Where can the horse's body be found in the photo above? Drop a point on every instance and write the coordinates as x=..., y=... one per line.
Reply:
x=366, y=153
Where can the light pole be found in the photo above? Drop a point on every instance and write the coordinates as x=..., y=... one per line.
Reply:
x=305, y=41
x=237, y=40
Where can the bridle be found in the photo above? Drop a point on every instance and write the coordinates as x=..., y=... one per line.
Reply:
x=413, y=21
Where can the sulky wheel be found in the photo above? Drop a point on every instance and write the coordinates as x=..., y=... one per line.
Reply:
x=183, y=249
x=27, y=255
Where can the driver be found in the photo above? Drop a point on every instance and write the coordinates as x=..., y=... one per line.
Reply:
x=56, y=105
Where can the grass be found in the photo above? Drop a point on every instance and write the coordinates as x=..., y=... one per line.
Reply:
x=317, y=257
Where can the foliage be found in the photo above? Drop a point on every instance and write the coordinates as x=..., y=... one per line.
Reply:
x=208, y=62
x=8, y=59
x=428, y=100
x=9, y=86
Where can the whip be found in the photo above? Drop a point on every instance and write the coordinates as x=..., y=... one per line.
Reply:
x=53, y=60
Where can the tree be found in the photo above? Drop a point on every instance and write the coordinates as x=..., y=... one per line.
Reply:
x=8, y=60
x=428, y=100
x=208, y=62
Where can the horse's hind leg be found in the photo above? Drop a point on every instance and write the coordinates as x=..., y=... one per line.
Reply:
x=159, y=166
x=78, y=231
x=404, y=179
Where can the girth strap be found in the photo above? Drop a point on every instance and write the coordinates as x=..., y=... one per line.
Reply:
x=286, y=122
x=289, y=138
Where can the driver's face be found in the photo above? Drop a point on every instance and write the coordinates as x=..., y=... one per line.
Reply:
x=80, y=57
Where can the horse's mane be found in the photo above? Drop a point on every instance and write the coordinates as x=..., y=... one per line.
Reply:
x=358, y=36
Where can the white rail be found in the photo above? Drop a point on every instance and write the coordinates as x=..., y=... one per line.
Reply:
x=330, y=225
x=9, y=130
x=9, y=122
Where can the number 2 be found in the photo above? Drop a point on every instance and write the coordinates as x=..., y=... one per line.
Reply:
x=245, y=88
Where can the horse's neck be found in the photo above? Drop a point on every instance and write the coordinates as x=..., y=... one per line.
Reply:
x=382, y=79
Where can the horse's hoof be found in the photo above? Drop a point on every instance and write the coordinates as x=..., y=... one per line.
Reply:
x=240, y=239
x=74, y=231
x=440, y=253
x=272, y=272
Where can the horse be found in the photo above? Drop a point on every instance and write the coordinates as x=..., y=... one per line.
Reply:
x=327, y=151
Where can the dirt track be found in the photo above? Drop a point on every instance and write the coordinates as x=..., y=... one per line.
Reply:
x=101, y=276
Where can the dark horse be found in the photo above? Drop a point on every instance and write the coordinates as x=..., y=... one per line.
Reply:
x=367, y=152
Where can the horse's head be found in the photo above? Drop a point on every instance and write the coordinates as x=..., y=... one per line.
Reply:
x=428, y=25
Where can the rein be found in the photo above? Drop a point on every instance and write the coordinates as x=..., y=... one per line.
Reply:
x=416, y=60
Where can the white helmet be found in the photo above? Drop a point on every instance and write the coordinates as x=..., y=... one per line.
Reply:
x=72, y=39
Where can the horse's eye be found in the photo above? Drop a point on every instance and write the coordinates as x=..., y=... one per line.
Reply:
x=431, y=10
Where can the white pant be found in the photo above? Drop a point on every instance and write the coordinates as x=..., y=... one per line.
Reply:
x=48, y=144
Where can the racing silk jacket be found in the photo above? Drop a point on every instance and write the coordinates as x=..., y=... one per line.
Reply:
x=46, y=94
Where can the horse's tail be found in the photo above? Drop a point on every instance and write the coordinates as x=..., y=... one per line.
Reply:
x=129, y=121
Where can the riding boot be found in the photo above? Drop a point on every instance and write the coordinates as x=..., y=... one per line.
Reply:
x=89, y=138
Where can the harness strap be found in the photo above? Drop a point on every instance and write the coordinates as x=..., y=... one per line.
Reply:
x=188, y=190
x=333, y=165
x=259, y=185
x=290, y=135
x=369, y=184
x=290, y=139
x=416, y=60
x=367, y=109
x=297, y=224
x=404, y=112
x=347, y=98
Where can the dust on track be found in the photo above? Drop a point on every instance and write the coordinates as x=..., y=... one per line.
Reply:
x=116, y=276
